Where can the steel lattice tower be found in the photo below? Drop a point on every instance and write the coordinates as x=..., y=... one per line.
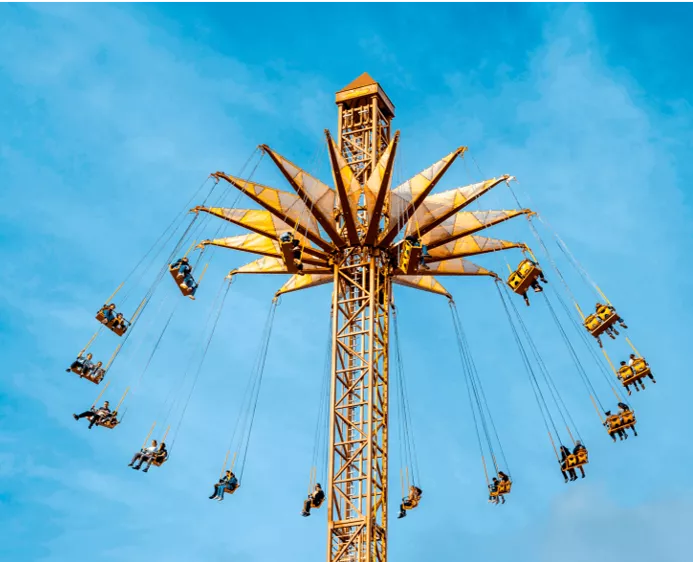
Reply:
x=351, y=235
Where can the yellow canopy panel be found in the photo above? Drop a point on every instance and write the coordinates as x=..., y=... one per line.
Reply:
x=439, y=206
x=465, y=223
x=423, y=283
x=287, y=206
x=270, y=266
x=405, y=198
x=470, y=246
x=300, y=282
x=456, y=267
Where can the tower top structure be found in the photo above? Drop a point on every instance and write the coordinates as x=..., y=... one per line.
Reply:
x=366, y=86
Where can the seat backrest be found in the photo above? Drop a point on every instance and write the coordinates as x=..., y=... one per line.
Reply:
x=592, y=321
x=639, y=365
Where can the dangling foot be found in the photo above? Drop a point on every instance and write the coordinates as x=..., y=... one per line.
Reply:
x=305, y=514
x=191, y=297
x=67, y=370
x=623, y=326
x=75, y=416
x=616, y=332
x=213, y=497
x=582, y=476
x=401, y=514
x=130, y=465
x=146, y=469
x=629, y=392
x=612, y=336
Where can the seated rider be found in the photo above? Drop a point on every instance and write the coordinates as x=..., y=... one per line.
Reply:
x=632, y=359
x=414, y=241
x=143, y=452
x=535, y=282
x=97, y=373
x=185, y=269
x=624, y=408
x=96, y=415
x=315, y=498
x=227, y=483
x=579, y=447
x=565, y=453
x=119, y=322
x=411, y=501
x=159, y=456
x=108, y=312
x=81, y=364
x=493, y=488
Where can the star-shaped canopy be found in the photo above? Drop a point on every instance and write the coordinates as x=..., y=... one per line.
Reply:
x=325, y=221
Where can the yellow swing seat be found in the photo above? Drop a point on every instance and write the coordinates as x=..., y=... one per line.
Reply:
x=411, y=503
x=603, y=319
x=522, y=278
x=574, y=461
x=627, y=419
x=502, y=489
x=410, y=257
x=614, y=424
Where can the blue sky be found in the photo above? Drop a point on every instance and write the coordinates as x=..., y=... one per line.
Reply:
x=111, y=117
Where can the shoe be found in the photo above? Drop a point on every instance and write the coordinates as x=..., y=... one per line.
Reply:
x=654, y=381
x=624, y=326
x=130, y=465
x=400, y=516
x=67, y=370
x=220, y=499
x=538, y=289
x=213, y=497
x=146, y=470
x=137, y=467
x=75, y=416
x=305, y=514
x=629, y=392
x=581, y=476
x=616, y=332
x=191, y=297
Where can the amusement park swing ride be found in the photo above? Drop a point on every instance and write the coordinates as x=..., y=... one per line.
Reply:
x=363, y=236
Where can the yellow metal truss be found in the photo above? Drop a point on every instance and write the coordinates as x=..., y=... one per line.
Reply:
x=348, y=238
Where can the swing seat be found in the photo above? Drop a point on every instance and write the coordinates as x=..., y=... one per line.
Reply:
x=94, y=375
x=410, y=257
x=605, y=312
x=597, y=326
x=411, y=503
x=158, y=461
x=627, y=419
x=614, y=424
x=108, y=423
x=574, y=461
x=522, y=278
x=316, y=504
x=641, y=367
x=630, y=375
x=178, y=278
x=291, y=263
x=502, y=489
x=119, y=329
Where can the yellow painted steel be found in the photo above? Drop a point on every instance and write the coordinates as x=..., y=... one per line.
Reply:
x=339, y=223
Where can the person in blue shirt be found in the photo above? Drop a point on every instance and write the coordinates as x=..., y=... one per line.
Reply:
x=81, y=364
x=185, y=269
x=228, y=483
